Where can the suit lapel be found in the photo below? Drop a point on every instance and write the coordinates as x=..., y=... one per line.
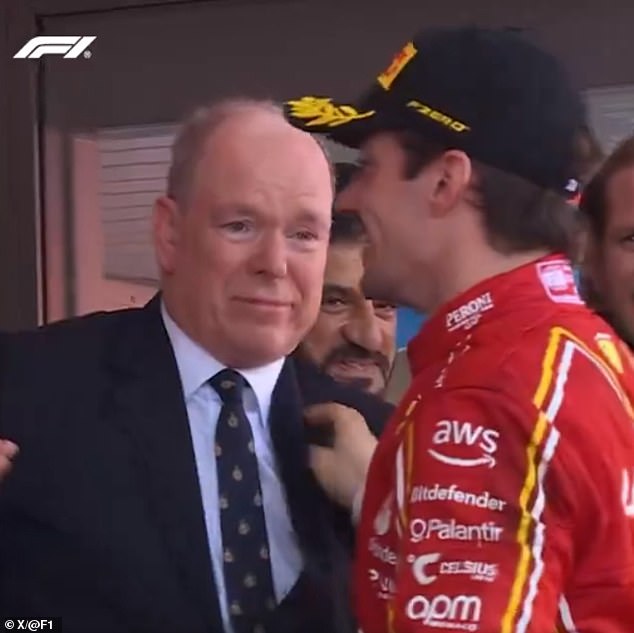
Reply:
x=307, y=504
x=326, y=558
x=148, y=406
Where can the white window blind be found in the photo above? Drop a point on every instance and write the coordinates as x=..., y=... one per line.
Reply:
x=133, y=172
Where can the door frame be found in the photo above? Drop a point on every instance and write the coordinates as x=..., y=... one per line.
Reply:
x=22, y=292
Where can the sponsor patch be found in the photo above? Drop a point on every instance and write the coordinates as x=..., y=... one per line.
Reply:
x=452, y=493
x=451, y=530
x=446, y=612
x=469, y=314
x=401, y=59
x=426, y=569
x=464, y=444
x=558, y=281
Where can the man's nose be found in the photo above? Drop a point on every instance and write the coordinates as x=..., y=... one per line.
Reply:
x=271, y=257
x=363, y=328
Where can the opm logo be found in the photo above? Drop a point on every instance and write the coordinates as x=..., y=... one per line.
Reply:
x=70, y=46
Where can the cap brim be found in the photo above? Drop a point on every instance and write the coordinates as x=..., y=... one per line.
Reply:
x=342, y=122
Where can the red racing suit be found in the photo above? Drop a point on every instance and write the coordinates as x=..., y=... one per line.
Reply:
x=501, y=496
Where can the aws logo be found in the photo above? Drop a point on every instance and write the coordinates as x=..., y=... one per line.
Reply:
x=464, y=444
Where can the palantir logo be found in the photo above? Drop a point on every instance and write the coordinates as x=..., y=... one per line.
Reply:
x=450, y=530
x=70, y=46
x=463, y=434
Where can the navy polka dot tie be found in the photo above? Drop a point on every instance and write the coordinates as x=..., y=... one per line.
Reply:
x=247, y=569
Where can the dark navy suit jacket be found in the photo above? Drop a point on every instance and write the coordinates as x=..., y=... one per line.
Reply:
x=101, y=520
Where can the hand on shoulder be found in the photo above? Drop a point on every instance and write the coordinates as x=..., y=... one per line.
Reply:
x=341, y=468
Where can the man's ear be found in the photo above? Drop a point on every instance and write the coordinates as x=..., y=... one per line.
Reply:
x=587, y=248
x=453, y=174
x=588, y=256
x=166, y=228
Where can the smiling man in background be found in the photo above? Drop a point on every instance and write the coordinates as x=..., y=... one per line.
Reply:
x=354, y=337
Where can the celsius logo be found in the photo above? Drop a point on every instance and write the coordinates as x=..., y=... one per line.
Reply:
x=418, y=568
x=476, y=570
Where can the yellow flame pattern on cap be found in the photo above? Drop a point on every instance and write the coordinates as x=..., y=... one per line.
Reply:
x=321, y=111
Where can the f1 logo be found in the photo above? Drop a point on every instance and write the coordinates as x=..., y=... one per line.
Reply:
x=70, y=46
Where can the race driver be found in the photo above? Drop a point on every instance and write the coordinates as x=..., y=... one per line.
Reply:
x=501, y=496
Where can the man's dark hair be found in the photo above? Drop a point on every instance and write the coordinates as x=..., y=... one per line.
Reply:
x=518, y=215
x=593, y=204
x=347, y=227
x=344, y=172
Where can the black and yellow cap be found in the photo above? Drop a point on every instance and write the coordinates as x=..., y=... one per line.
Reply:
x=491, y=93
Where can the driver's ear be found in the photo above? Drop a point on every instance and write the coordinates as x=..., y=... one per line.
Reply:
x=587, y=258
x=453, y=175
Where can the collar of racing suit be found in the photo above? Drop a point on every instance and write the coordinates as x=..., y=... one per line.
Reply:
x=548, y=278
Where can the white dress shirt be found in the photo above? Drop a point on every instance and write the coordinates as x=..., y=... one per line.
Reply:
x=196, y=366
